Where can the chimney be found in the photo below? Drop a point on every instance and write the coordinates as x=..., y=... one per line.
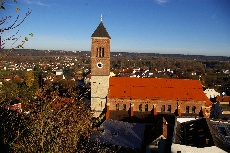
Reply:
x=154, y=110
x=107, y=111
x=164, y=126
x=131, y=113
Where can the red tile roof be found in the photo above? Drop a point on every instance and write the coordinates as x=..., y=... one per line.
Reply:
x=208, y=101
x=223, y=99
x=155, y=88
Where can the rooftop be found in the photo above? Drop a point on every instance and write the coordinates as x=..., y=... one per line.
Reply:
x=156, y=88
x=101, y=31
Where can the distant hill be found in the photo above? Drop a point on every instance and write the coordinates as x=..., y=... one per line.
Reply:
x=33, y=52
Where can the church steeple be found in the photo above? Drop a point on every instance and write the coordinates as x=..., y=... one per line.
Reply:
x=100, y=68
x=101, y=31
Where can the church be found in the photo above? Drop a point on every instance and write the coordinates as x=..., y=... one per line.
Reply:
x=121, y=97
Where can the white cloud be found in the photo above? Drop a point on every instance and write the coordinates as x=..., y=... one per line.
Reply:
x=36, y=2
x=161, y=1
x=41, y=4
x=27, y=1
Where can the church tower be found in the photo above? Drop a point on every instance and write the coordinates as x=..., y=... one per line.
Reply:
x=100, y=68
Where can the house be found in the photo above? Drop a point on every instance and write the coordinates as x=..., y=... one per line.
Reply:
x=59, y=72
x=15, y=105
x=211, y=93
x=121, y=134
x=200, y=135
x=222, y=105
x=152, y=134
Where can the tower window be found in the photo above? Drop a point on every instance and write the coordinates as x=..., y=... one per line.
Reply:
x=187, y=109
x=140, y=107
x=97, y=53
x=146, y=107
x=100, y=52
x=117, y=106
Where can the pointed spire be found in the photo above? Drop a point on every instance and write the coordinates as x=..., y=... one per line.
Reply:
x=101, y=31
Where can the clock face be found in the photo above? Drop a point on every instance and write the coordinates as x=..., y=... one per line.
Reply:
x=99, y=65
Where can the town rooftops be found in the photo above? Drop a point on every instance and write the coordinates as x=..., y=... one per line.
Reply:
x=121, y=133
x=101, y=31
x=155, y=88
x=223, y=98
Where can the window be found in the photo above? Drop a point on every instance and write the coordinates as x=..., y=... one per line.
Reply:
x=169, y=108
x=124, y=106
x=163, y=108
x=193, y=109
x=187, y=109
x=140, y=107
x=117, y=106
x=97, y=53
x=146, y=107
x=100, y=52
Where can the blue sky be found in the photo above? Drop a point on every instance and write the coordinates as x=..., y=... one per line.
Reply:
x=155, y=26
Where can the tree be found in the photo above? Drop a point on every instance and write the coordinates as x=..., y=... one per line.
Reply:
x=29, y=78
x=9, y=91
x=8, y=24
x=52, y=124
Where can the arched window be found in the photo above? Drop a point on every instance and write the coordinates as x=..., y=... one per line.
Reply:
x=169, y=108
x=140, y=107
x=146, y=108
x=163, y=108
x=117, y=106
x=187, y=109
x=124, y=106
x=193, y=109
